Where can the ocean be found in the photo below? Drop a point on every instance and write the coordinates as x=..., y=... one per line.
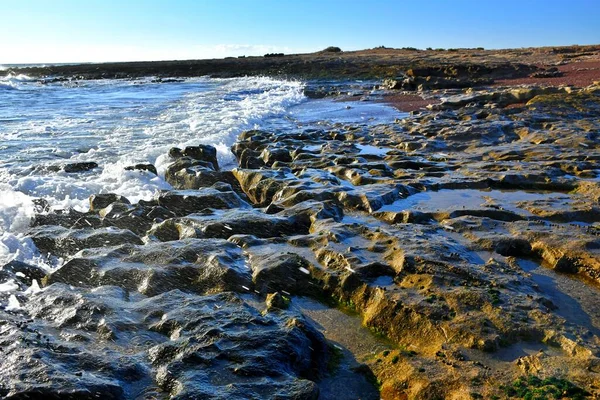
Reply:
x=118, y=123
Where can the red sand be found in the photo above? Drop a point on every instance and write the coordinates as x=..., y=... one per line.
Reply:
x=578, y=74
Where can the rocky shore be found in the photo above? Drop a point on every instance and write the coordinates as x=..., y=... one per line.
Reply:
x=445, y=67
x=452, y=254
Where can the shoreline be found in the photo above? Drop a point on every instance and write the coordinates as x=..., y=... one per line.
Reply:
x=378, y=63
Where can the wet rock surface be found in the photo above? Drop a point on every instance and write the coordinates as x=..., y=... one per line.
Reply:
x=464, y=239
x=110, y=343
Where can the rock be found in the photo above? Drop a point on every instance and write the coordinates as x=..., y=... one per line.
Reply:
x=502, y=97
x=184, y=202
x=116, y=210
x=68, y=219
x=79, y=167
x=41, y=205
x=307, y=212
x=175, y=152
x=195, y=265
x=224, y=224
x=142, y=167
x=106, y=343
x=261, y=186
x=60, y=241
x=201, y=152
x=100, y=201
x=186, y=173
x=547, y=73
x=250, y=159
x=275, y=301
x=392, y=84
x=288, y=272
x=21, y=272
x=272, y=155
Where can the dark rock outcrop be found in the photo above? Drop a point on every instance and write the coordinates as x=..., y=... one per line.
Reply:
x=142, y=167
x=106, y=343
x=195, y=265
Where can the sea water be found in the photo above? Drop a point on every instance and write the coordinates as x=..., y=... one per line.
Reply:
x=118, y=123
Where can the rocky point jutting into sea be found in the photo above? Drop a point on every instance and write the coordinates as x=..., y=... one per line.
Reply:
x=451, y=253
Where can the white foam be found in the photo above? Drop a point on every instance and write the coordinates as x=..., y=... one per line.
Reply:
x=34, y=288
x=14, y=82
x=16, y=210
x=8, y=286
x=115, y=123
x=18, y=78
x=373, y=150
x=13, y=303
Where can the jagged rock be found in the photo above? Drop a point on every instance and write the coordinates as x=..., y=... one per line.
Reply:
x=41, y=205
x=105, y=343
x=288, y=272
x=142, y=167
x=250, y=159
x=307, y=212
x=184, y=202
x=79, y=167
x=275, y=301
x=60, y=241
x=68, y=219
x=502, y=98
x=205, y=153
x=272, y=155
x=186, y=173
x=116, y=210
x=261, y=186
x=547, y=73
x=100, y=201
x=224, y=224
x=21, y=272
x=196, y=265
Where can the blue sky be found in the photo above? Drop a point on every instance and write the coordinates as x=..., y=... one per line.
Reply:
x=89, y=30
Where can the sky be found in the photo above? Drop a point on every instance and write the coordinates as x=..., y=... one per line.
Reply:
x=53, y=31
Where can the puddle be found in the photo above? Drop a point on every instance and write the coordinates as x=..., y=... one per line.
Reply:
x=363, y=149
x=355, y=342
x=505, y=357
x=328, y=112
x=341, y=328
x=448, y=199
x=578, y=301
x=313, y=148
x=373, y=150
x=479, y=257
x=383, y=280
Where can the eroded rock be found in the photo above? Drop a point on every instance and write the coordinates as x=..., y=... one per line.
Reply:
x=109, y=344
x=196, y=265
